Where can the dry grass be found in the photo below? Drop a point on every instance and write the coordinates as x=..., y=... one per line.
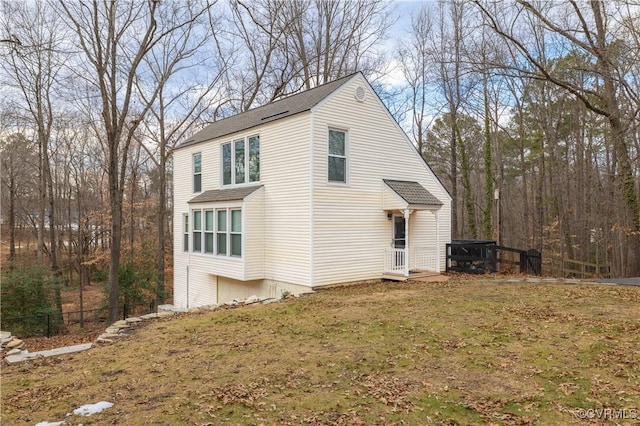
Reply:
x=461, y=352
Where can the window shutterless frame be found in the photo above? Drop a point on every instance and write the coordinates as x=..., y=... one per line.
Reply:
x=197, y=231
x=337, y=150
x=185, y=232
x=197, y=172
x=241, y=161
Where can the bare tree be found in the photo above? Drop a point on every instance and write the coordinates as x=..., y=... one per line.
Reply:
x=16, y=154
x=114, y=38
x=416, y=64
x=188, y=67
x=32, y=69
x=584, y=27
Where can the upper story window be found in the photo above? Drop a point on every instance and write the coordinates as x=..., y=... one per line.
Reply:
x=241, y=161
x=337, y=158
x=197, y=172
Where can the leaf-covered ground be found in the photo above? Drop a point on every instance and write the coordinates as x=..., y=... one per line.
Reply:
x=460, y=352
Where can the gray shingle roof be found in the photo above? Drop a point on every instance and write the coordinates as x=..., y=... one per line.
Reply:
x=413, y=193
x=232, y=194
x=279, y=109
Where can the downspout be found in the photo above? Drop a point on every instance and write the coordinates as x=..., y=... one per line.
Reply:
x=437, y=242
x=311, y=185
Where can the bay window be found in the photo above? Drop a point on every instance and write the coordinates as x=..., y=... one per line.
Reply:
x=214, y=232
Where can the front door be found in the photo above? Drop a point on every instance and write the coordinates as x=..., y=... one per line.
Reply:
x=399, y=238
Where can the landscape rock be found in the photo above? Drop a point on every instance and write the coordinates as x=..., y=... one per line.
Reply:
x=5, y=335
x=251, y=299
x=15, y=351
x=15, y=344
x=149, y=316
x=132, y=320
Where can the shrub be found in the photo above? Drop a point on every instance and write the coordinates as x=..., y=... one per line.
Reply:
x=28, y=306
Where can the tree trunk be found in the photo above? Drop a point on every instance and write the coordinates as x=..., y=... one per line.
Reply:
x=488, y=168
x=12, y=219
x=115, y=193
x=162, y=209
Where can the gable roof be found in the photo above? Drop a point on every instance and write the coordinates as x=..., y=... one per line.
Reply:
x=232, y=194
x=413, y=193
x=273, y=111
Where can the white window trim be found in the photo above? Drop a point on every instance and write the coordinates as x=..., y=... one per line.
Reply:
x=186, y=232
x=227, y=233
x=194, y=230
x=346, y=157
x=193, y=172
x=205, y=232
x=247, y=155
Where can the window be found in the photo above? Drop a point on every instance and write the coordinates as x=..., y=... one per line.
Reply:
x=226, y=164
x=197, y=230
x=221, y=235
x=337, y=159
x=216, y=232
x=185, y=236
x=208, y=231
x=241, y=161
x=236, y=232
x=254, y=159
x=197, y=172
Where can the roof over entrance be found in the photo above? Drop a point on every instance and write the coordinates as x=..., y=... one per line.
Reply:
x=232, y=194
x=282, y=108
x=413, y=194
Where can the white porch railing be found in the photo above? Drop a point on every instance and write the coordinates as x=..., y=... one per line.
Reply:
x=424, y=258
x=395, y=260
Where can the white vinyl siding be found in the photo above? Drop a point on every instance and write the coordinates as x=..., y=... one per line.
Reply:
x=351, y=228
x=346, y=231
x=284, y=172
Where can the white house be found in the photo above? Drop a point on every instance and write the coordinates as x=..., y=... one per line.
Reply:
x=319, y=188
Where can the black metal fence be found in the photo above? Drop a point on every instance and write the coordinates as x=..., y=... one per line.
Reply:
x=53, y=323
x=486, y=256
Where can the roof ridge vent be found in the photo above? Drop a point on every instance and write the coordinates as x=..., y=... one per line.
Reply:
x=274, y=115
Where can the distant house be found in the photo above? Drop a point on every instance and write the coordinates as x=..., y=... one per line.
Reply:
x=319, y=188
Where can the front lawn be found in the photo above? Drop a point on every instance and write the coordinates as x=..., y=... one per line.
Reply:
x=468, y=351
